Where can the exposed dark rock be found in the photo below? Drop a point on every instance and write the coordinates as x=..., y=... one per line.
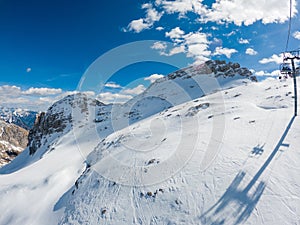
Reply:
x=58, y=119
x=45, y=124
x=13, y=140
x=217, y=67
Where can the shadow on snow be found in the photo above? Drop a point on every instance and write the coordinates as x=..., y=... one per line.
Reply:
x=241, y=201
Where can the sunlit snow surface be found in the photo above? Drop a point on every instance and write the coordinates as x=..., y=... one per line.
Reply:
x=152, y=171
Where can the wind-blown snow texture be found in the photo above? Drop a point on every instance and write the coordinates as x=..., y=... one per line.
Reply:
x=148, y=162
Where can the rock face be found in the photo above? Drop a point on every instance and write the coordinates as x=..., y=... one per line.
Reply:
x=13, y=139
x=220, y=67
x=59, y=119
x=55, y=120
x=217, y=67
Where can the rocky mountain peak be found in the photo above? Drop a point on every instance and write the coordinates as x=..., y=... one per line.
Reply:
x=13, y=139
x=220, y=67
x=58, y=119
x=217, y=67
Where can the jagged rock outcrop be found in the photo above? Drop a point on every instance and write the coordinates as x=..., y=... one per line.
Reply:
x=13, y=139
x=218, y=67
x=46, y=124
x=55, y=120
x=58, y=119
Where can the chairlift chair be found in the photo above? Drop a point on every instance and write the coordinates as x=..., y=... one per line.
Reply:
x=297, y=70
x=285, y=68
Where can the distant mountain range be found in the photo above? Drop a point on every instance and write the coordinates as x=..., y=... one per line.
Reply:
x=20, y=117
x=15, y=124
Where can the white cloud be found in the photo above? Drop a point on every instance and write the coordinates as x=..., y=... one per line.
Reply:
x=224, y=51
x=176, y=50
x=197, y=46
x=200, y=49
x=217, y=41
x=9, y=91
x=159, y=45
x=243, y=41
x=108, y=97
x=154, y=77
x=196, y=38
x=37, y=99
x=134, y=91
x=221, y=11
x=183, y=6
x=152, y=16
x=138, y=25
x=296, y=35
x=175, y=33
x=180, y=6
x=12, y=96
x=251, y=51
x=273, y=59
x=112, y=85
x=262, y=73
x=122, y=96
x=159, y=28
x=42, y=91
x=194, y=44
x=162, y=47
x=230, y=34
x=271, y=11
x=239, y=12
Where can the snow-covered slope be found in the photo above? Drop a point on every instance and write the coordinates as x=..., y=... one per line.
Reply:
x=139, y=177
x=229, y=157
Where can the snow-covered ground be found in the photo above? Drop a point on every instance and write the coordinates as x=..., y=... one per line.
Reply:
x=230, y=157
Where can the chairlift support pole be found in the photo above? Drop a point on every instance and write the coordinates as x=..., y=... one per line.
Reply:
x=294, y=55
x=295, y=86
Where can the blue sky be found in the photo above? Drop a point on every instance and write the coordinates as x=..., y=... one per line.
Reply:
x=47, y=46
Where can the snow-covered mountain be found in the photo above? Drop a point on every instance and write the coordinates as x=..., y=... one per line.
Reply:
x=21, y=117
x=13, y=139
x=204, y=145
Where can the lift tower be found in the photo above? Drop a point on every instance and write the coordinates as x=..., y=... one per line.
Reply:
x=290, y=69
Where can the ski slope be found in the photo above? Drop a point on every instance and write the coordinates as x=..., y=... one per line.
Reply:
x=229, y=157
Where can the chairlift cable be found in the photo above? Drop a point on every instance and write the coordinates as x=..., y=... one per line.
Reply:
x=289, y=30
x=285, y=67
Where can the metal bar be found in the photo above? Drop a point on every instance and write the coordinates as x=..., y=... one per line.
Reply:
x=295, y=86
